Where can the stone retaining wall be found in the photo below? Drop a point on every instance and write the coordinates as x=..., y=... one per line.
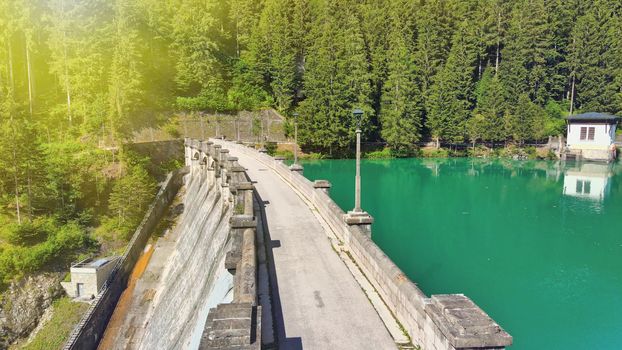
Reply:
x=440, y=322
x=89, y=331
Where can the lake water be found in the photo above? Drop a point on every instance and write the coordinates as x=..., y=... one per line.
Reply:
x=536, y=245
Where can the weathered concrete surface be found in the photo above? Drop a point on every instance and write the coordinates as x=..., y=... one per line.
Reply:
x=321, y=305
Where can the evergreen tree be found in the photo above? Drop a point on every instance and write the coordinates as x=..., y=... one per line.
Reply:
x=591, y=64
x=400, y=112
x=491, y=107
x=125, y=87
x=434, y=36
x=526, y=122
x=337, y=80
x=528, y=48
x=275, y=52
x=451, y=97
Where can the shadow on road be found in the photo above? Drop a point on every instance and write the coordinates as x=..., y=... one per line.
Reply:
x=281, y=340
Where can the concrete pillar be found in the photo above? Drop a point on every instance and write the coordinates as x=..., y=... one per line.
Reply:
x=279, y=159
x=247, y=275
x=322, y=185
x=361, y=219
x=296, y=168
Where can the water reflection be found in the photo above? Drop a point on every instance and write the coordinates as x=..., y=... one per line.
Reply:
x=588, y=180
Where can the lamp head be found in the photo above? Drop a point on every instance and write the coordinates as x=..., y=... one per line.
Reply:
x=358, y=114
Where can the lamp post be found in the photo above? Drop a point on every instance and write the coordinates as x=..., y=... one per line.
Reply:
x=295, y=138
x=358, y=115
x=358, y=217
x=296, y=167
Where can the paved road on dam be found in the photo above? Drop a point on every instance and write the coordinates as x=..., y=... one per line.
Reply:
x=322, y=305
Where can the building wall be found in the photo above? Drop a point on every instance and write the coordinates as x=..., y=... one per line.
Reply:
x=598, y=185
x=88, y=277
x=104, y=272
x=604, y=134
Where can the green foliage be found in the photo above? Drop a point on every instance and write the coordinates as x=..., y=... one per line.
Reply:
x=434, y=153
x=30, y=232
x=271, y=147
x=54, y=244
x=384, y=153
x=130, y=197
x=66, y=313
x=451, y=97
x=336, y=80
x=401, y=105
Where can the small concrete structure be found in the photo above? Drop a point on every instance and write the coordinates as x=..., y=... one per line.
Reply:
x=591, y=136
x=88, y=277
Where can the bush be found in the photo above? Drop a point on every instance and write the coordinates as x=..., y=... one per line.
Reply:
x=61, y=247
x=271, y=147
x=434, y=153
x=287, y=154
x=385, y=153
x=29, y=233
x=479, y=151
x=315, y=156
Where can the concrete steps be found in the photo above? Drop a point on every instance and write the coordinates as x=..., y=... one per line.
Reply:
x=231, y=327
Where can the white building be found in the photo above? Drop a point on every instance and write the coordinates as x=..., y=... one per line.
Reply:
x=591, y=136
x=589, y=180
x=88, y=277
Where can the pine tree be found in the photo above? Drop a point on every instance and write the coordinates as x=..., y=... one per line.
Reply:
x=526, y=122
x=615, y=37
x=274, y=52
x=337, y=80
x=125, y=87
x=401, y=110
x=451, y=97
x=491, y=106
x=528, y=48
x=590, y=61
x=434, y=36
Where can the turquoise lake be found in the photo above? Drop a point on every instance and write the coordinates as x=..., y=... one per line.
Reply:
x=536, y=244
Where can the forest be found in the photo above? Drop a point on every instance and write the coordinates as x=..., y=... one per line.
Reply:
x=77, y=78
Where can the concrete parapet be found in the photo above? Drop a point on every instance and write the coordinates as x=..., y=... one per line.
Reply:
x=243, y=221
x=431, y=323
x=226, y=328
x=464, y=323
x=322, y=184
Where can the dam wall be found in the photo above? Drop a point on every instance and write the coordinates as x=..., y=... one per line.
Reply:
x=89, y=331
x=230, y=322
x=204, y=295
x=439, y=322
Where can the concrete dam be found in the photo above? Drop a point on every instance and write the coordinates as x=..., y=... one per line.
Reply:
x=185, y=276
x=262, y=258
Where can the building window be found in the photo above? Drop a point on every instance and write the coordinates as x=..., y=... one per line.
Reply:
x=590, y=134
x=587, y=133
x=584, y=187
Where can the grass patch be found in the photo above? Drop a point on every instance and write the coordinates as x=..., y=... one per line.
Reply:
x=55, y=333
